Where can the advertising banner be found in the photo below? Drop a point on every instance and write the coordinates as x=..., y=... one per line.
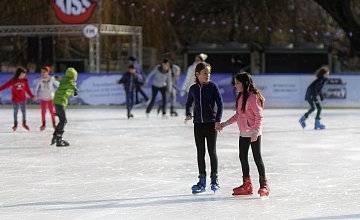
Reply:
x=279, y=90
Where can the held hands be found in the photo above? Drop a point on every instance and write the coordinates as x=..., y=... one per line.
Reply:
x=218, y=126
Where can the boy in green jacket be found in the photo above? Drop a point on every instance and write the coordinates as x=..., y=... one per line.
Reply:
x=66, y=89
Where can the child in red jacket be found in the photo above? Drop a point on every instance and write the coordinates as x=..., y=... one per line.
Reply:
x=19, y=88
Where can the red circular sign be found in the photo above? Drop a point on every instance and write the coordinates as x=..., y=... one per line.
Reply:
x=73, y=11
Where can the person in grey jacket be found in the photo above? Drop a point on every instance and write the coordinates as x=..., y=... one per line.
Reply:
x=161, y=82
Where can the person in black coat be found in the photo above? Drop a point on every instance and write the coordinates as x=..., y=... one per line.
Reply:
x=130, y=79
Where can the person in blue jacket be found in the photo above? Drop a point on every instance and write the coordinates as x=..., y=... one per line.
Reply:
x=313, y=94
x=202, y=97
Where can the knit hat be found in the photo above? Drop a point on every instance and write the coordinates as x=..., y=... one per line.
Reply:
x=131, y=58
x=71, y=73
x=47, y=69
x=203, y=56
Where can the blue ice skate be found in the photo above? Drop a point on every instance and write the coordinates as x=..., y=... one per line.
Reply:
x=302, y=121
x=215, y=184
x=318, y=125
x=200, y=186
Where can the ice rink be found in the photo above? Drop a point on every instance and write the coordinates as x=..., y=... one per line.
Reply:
x=144, y=168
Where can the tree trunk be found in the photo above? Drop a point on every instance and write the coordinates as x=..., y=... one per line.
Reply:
x=342, y=11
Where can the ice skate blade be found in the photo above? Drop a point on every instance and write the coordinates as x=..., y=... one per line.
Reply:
x=238, y=194
x=198, y=192
x=62, y=146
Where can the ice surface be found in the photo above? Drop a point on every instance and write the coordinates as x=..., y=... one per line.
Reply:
x=144, y=168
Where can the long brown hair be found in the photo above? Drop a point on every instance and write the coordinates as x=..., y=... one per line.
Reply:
x=248, y=87
x=19, y=70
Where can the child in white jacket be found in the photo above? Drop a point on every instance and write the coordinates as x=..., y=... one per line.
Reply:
x=46, y=87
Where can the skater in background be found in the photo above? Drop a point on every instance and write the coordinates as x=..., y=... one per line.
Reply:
x=162, y=83
x=140, y=83
x=204, y=95
x=66, y=89
x=237, y=66
x=175, y=73
x=190, y=74
x=19, y=88
x=249, y=118
x=313, y=94
x=46, y=87
x=130, y=79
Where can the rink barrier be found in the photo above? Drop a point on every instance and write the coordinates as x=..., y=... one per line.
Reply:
x=280, y=90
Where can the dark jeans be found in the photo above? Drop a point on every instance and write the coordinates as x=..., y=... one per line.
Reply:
x=244, y=144
x=139, y=90
x=129, y=100
x=60, y=112
x=155, y=91
x=202, y=132
x=16, y=110
x=312, y=108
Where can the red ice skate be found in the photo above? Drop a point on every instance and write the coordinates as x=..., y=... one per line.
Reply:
x=245, y=188
x=43, y=126
x=15, y=126
x=264, y=187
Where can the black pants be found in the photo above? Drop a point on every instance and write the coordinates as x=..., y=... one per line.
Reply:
x=60, y=112
x=155, y=91
x=137, y=91
x=202, y=132
x=244, y=144
x=312, y=108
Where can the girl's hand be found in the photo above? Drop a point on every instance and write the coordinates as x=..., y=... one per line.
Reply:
x=253, y=138
x=188, y=117
x=218, y=126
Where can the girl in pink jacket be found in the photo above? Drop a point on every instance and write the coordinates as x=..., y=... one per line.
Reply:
x=249, y=116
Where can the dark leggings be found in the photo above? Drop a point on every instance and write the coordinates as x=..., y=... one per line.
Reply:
x=155, y=91
x=244, y=144
x=312, y=108
x=60, y=112
x=206, y=131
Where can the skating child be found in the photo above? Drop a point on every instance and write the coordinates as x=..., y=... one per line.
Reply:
x=46, y=86
x=313, y=93
x=66, y=89
x=204, y=94
x=249, y=116
x=19, y=88
x=130, y=79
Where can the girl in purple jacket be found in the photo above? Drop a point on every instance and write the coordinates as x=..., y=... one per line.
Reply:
x=249, y=117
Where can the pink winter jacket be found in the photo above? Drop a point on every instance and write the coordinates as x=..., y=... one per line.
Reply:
x=249, y=121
